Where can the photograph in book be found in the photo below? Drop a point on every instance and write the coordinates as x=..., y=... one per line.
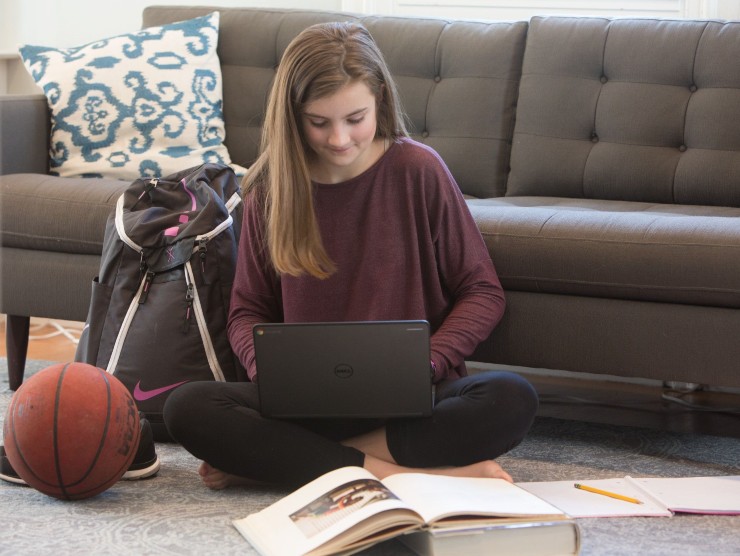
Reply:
x=349, y=509
x=338, y=503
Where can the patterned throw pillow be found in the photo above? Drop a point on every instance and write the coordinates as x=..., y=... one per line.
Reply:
x=142, y=104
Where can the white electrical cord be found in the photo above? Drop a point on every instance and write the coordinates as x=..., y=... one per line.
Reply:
x=69, y=332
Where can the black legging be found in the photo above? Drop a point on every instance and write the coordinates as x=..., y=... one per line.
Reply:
x=475, y=418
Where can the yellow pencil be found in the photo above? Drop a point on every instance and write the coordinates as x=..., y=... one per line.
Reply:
x=607, y=493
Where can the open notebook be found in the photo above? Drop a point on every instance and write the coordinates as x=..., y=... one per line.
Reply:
x=658, y=496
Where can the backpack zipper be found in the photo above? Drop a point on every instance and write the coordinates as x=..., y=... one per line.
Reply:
x=213, y=363
x=202, y=249
x=189, y=297
x=147, y=283
x=148, y=186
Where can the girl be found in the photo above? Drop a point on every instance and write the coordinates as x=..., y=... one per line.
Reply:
x=346, y=218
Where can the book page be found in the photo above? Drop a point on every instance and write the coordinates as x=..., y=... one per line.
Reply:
x=581, y=503
x=322, y=510
x=703, y=495
x=435, y=497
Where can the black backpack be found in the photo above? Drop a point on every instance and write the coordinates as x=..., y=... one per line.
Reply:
x=159, y=306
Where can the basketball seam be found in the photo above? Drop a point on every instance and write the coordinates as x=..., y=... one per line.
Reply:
x=57, y=397
x=18, y=449
x=101, y=444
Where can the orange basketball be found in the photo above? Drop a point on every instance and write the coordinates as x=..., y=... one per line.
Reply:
x=71, y=431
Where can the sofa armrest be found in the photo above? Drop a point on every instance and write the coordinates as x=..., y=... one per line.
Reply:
x=24, y=134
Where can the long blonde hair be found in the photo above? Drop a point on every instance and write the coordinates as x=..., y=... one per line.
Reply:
x=317, y=63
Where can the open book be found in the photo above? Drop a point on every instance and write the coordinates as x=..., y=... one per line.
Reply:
x=657, y=496
x=349, y=509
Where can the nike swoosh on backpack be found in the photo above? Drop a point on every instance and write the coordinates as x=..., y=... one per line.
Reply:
x=143, y=395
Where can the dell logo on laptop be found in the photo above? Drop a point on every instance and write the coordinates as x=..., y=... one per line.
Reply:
x=343, y=371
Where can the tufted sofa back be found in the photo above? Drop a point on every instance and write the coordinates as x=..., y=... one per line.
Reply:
x=458, y=81
x=633, y=110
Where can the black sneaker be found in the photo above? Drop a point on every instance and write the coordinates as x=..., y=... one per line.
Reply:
x=145, y=464
x=7, y=473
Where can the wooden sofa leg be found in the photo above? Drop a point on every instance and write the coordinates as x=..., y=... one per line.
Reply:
x=16, y=341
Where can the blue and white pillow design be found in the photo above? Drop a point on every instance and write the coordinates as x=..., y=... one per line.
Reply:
x=141, y=104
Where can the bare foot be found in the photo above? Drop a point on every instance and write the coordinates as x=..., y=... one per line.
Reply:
x=484, y=469
x=488, y=469
x=217, y=480
x=380, y=462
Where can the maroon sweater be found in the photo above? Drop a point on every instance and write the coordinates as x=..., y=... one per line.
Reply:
x=405, y=247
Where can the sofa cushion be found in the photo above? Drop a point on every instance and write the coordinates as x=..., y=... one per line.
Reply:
x=629, y=109
x=614, y=249
x=49, y=213
x=140, y=104
x=458, y=80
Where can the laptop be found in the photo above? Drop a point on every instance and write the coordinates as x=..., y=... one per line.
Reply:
x=376, y=369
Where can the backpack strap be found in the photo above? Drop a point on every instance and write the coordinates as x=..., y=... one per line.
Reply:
x=200, y=319
x=125, y=325
x=122, y=230
x=233, y=202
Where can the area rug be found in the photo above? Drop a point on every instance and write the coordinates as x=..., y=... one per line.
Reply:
x=173, y=513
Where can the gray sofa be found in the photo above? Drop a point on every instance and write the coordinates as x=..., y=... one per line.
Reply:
x=600, y=158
